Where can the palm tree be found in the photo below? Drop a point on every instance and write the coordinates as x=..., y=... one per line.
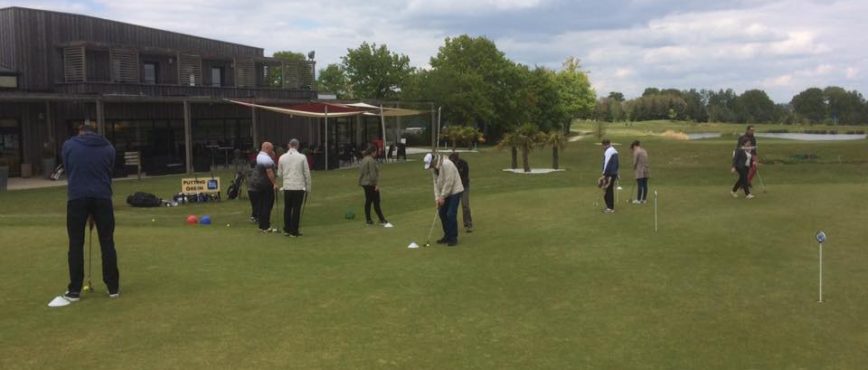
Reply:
x=526, y=138
x=510, y=140
x=558, y=141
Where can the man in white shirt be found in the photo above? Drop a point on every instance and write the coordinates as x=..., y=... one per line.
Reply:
x=293, y=169
x=447, y=195
x=266, y=186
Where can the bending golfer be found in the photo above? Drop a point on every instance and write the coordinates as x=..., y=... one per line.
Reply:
x=741, y=163
x=610, y=174
x=464, y=172
x=294, y=171
x=640, y=172
x=369, y=179
x=447, y=195
x=266, y=185
x=89, y=159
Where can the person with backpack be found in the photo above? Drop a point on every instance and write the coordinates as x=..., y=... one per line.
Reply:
x=369, y=180
x=89, y=159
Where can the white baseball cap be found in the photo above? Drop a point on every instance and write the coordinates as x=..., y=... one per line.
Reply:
x=430, y=157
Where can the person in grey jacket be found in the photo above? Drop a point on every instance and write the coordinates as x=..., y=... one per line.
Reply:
x=447, y=195
x=293, y=169
x=369, y=180
x=640, y=172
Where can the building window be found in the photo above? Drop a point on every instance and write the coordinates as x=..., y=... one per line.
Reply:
x=150, y=73
x=216, y=76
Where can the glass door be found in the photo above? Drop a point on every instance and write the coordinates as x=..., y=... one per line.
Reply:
x=10, y=146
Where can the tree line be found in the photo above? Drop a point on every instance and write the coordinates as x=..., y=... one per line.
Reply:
x=832, y=105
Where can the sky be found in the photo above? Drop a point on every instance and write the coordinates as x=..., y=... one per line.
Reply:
x=780, y=46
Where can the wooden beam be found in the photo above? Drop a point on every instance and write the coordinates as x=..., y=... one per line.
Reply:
x=254, y=132
x=188, y=137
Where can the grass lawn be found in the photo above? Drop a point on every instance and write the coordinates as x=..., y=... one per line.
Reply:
x=545, y=281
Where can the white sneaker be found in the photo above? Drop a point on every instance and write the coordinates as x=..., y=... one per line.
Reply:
x=388, y=225
x=734, y=194
x=749, y=197
x=63, y=300
x=636, y=202
x=609, y=210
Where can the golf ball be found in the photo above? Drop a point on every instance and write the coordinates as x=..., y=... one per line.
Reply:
x=153, y=220
x=227, y=225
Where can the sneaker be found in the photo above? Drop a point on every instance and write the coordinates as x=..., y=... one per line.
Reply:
x=387, y=224
x=441, y=241
x=644, y=201
x=114, y=295
x=734, y=194
x=369, y=222
x=749, y=197
x=452, y=243
x=64, y=300
x=253, y=220
x=609, y=210
x=468, y=229
x=264, y=230
x=637, y=201
x=287, y=234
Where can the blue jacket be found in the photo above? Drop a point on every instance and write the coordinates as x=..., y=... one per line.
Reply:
x=88, y=160
x=610, y=162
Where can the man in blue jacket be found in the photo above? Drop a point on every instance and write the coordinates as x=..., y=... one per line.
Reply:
x=89, y=159
x=610, y=174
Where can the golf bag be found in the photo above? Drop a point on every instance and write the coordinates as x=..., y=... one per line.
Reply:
x=142, y=199
x=235, y=187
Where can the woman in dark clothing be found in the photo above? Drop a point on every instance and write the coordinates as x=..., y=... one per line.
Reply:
x=741, y=162
x=369, y=179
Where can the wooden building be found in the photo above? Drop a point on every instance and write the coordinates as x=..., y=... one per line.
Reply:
x=157, y=92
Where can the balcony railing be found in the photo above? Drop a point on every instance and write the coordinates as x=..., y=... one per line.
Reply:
x=109, y=88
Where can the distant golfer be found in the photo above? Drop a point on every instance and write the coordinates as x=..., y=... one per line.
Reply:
x=748, y=134
x=741, y=163
x=610, y=174
x=464, y=172
x=89, y=160
x=266, y=185
x=640, y=171
x=369, y=180
x=447, y=195
x=294, y=171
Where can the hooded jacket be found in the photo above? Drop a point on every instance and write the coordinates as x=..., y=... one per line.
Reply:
x=88, y=160
x=610, y=162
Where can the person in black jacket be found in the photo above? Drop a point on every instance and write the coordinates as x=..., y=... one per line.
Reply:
x=464, y=173
x=741, y=163
x=610, y=174
x=749, y=135
x=89, y=159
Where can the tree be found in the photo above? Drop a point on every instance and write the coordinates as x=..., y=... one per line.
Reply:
x=576, y=92
x=333, y=79
x=616, y=96
x=476, y=84
x=544, y=102
x=754, y=106
x=526, y=137
x=844, y=106
x=291, y=59
x=375, y=72
x=810, y=104
x=558, y=141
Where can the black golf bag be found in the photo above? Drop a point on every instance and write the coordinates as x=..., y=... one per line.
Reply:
x=235, y=187
x=142, y=199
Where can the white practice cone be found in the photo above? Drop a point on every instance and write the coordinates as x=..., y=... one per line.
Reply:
x=413, y=245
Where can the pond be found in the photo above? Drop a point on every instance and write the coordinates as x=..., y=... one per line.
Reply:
x=812, y=137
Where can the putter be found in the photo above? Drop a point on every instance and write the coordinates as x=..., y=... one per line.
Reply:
x=434, y=221
x=762, y=183
x=88, y=287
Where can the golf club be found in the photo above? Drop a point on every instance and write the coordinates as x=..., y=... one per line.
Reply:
x=434, y=221
x=88, y=287
x=762, y=183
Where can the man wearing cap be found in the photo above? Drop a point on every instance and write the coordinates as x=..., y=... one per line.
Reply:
x=89, y=161
x=447, y=195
